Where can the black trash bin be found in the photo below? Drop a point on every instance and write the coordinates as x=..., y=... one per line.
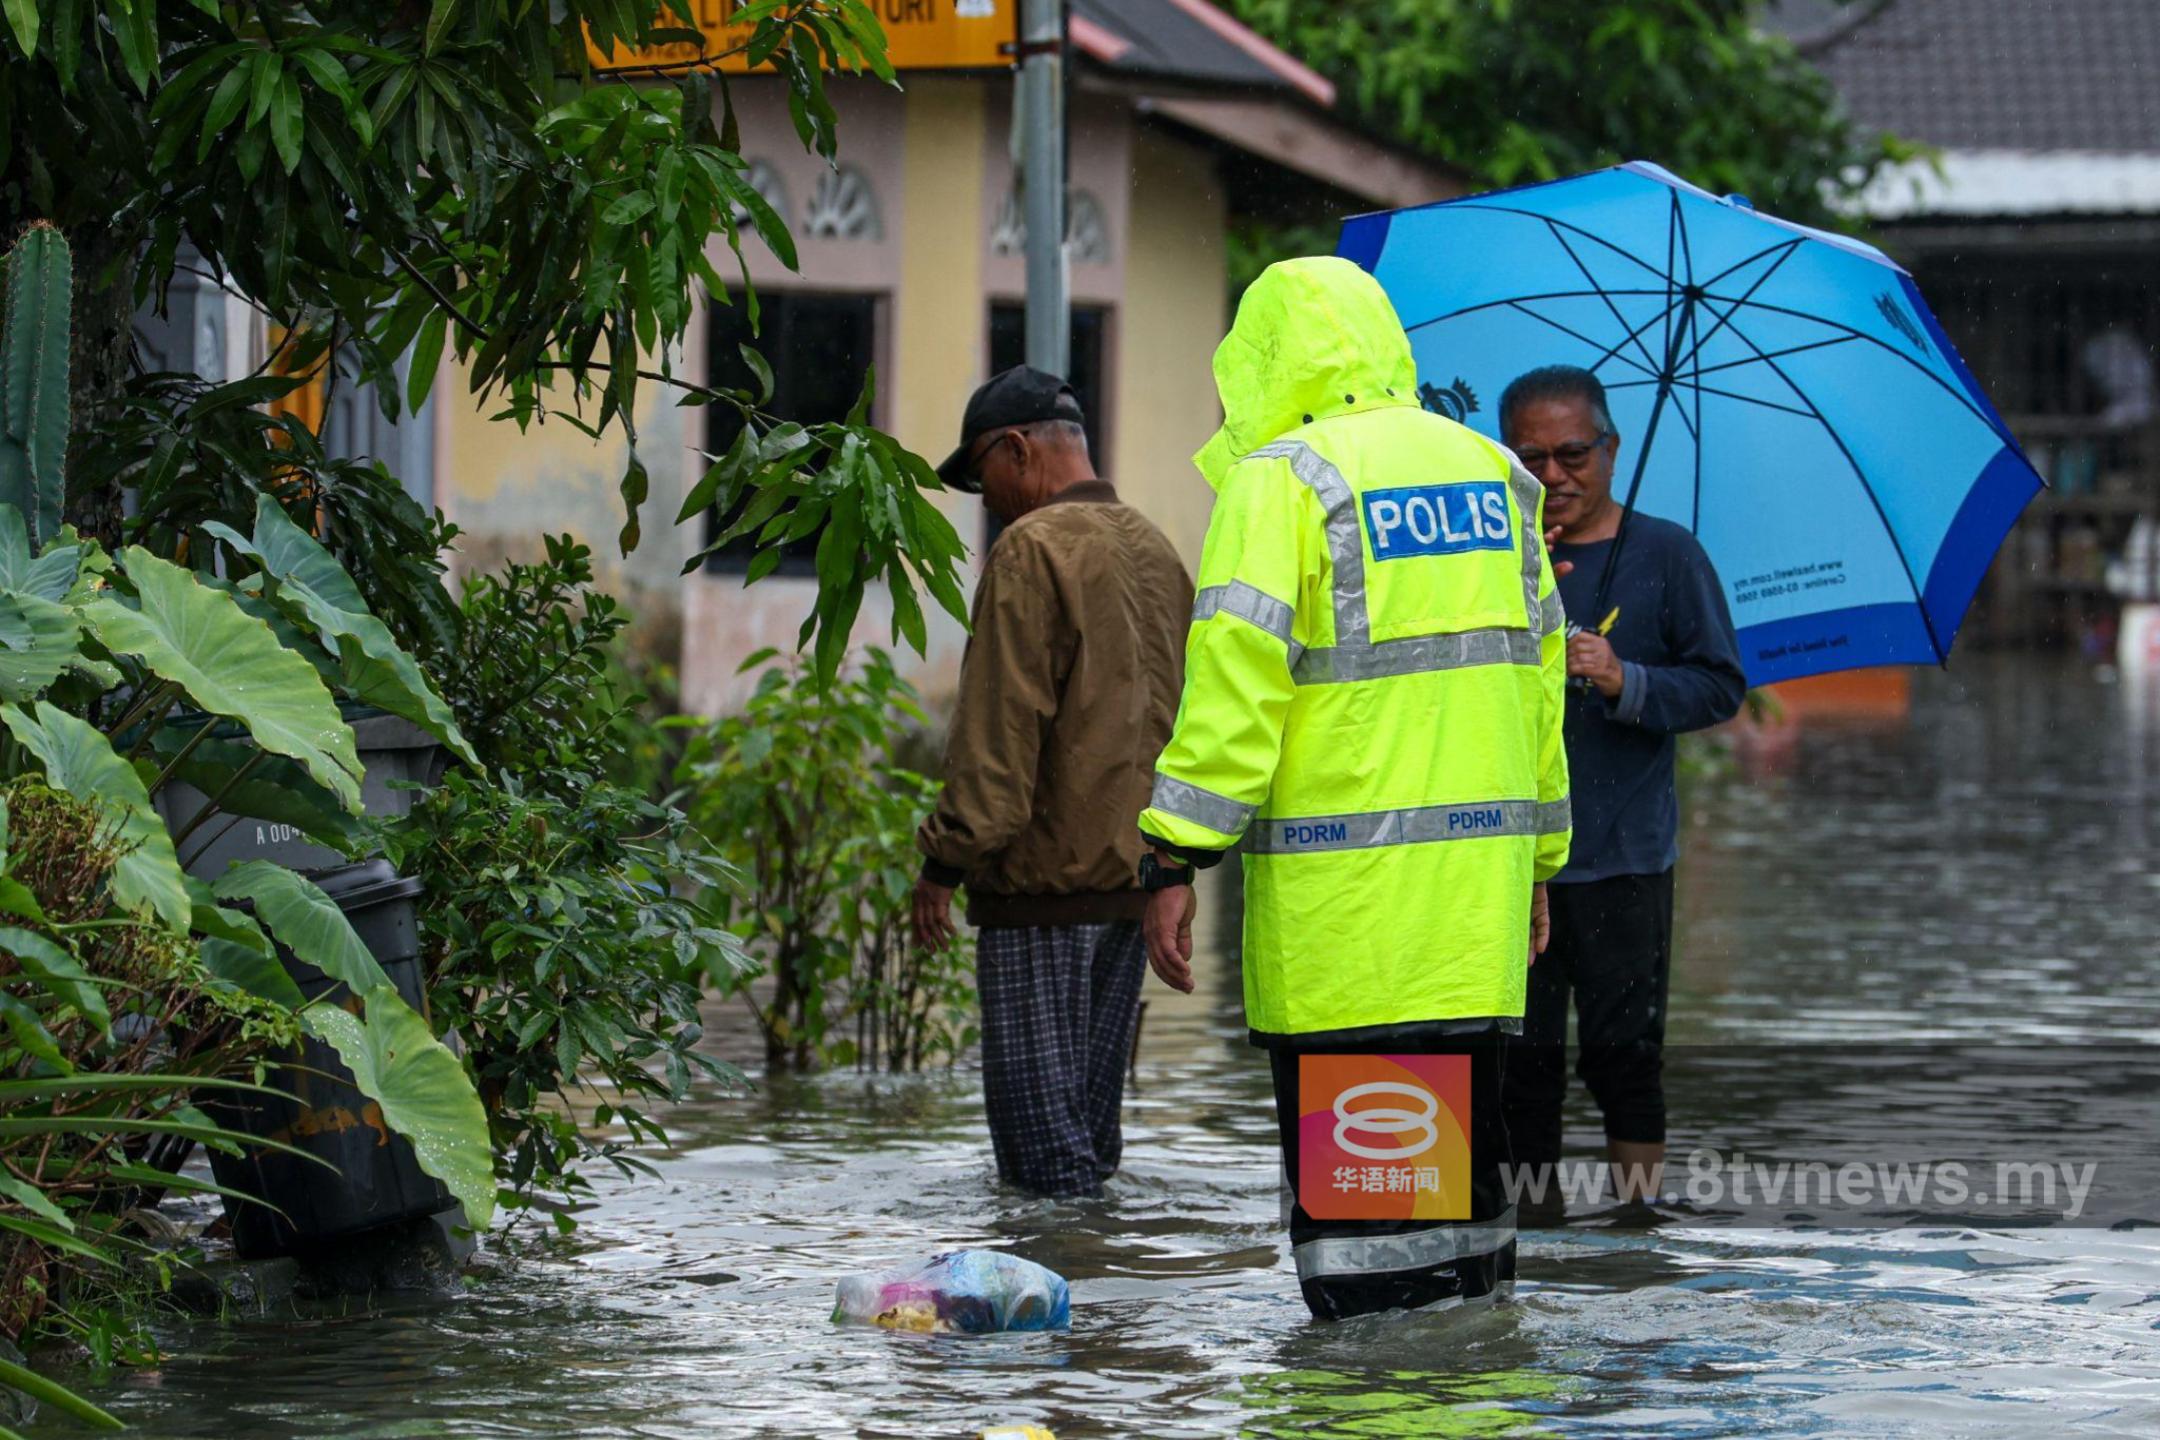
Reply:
x=392, y=752
x=376, y=1180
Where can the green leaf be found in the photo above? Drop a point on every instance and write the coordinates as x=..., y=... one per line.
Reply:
x=34, y=1200
x=305, y=921
x=424, y=1093
x=287, y=121
x=247, y=969
x=630, y=207
x=57, y=973
x=22, y=18
x=30, y=1034
x=51, y=1392
x=226, y=103
x=426, y=355
x=230, y=664
x=81, y=761
x=262, y=90
x=376, y=668
x=50, y=576
x=38, y=642
x=439, y=18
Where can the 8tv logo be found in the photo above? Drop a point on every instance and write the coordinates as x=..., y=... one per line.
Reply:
x=1384, y=1137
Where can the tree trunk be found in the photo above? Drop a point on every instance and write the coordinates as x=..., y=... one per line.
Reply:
x=103, y=357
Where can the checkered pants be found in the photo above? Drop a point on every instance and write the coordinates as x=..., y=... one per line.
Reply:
x=1059, y=1003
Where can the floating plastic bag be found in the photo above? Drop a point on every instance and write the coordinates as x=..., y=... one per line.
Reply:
x=971, y=1292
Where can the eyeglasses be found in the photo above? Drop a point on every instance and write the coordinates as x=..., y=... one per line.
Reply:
x=1572, y=457
x=975, y=461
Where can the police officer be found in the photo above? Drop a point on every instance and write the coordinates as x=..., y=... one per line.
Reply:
x=1374, y=689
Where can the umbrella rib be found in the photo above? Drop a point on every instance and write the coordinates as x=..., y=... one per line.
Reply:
x=1793, y=244
x=1563, y=329
x=1721, y=394
x=1627, y=255
x=1760, y=281
x=1772, y=355
x=1612, y=352
x=1526, y=299
x=1850, y=333
x=1897, y=548
x=1554, y=226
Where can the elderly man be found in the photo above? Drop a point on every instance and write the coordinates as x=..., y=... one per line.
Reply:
x=1650, y=654
x=1066, y=697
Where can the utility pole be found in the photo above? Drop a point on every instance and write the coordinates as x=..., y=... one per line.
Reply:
x=1039, y=103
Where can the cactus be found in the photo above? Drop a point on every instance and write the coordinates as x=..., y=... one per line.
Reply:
x=34, y=337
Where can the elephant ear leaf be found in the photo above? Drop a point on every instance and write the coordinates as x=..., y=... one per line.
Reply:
x=376, y=669
x=305, y=921
x=37, y=642
x=49, y=576
x=230, y=664
x=81, y=761
x=424, y=1092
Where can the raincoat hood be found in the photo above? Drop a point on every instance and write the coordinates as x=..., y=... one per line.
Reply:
x=1313, y=337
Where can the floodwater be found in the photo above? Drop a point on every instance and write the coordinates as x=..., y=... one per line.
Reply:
x=1979, y=874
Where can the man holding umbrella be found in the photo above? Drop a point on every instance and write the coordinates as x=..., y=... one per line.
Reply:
x=1650, y=654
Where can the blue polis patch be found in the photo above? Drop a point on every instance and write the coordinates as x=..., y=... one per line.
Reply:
x=1438, y=519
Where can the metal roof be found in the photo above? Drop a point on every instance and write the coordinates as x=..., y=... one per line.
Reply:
x=1188, y=42
x=1994, y=75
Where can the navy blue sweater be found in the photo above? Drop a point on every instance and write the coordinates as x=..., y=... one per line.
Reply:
x=1674, y=638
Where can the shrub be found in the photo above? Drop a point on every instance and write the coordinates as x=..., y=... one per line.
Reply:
x=802, y=791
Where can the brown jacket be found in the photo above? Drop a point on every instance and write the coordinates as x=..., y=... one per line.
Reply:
x=1067, y=695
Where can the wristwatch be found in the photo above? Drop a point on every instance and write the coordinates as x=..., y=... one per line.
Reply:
x=1154, y=875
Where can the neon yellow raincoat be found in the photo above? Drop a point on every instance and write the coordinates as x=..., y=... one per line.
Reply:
x=1374, y=676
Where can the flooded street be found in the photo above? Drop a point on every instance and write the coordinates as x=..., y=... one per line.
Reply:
x=1981, y=875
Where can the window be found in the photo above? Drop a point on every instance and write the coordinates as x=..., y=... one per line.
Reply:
x=820, y=348
x=1008, y=347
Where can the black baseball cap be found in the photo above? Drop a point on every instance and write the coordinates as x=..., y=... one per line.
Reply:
x=1022, y=395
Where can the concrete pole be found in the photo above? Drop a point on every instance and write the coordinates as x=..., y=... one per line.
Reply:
x=1040, y=101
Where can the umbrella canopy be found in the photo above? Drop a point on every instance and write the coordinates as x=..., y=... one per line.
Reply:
x=1781, y=391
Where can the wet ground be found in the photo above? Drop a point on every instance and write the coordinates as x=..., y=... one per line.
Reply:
x=1953, y=908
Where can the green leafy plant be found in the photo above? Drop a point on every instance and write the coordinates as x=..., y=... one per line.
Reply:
x=803, y=794
x=391, y=183
x=567, y=940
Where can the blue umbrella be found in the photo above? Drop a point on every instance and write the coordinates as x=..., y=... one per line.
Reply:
x=1785, y=392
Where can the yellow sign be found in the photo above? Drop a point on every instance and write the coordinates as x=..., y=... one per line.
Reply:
x=919, y=35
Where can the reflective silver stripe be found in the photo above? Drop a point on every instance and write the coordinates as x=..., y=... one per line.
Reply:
x=1528, y=492
x=1346, y=543
x=1336, y=664
x=1248, y=603
x=1202, y=807
x=1336, y=1255
x=1472, y=820
x=1552, y=615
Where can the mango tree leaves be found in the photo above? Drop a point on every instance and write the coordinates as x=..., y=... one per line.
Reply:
x=376, y=668
x=81, y=761
x=230, y=664
x=305, y=921
x=424, y=1092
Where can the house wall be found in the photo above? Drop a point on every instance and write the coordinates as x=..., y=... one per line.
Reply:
x=935, y=165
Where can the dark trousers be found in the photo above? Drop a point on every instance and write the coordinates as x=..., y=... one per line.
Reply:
x=1611, y=949
x=1355, y=1267
x=1059, y=1003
